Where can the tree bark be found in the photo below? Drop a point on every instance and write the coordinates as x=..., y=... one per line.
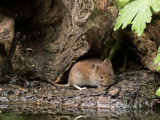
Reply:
x=64, y=30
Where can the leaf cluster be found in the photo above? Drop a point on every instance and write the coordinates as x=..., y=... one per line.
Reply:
x=136, y=13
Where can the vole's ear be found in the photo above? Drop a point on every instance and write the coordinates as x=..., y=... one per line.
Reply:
x=95, y=67
x=107, y=61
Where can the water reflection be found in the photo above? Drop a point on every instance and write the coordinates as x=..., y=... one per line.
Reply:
x=136, y=114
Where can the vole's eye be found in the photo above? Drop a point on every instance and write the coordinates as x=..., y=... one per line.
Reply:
x=101, y=77
x=110, y=74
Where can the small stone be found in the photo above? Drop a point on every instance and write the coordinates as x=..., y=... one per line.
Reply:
x=1, y=89
x=3, y=106
x=4, y=99
x=24, y=99
x=113, y=91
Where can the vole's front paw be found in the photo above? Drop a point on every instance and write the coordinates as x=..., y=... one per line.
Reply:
x=82, y=88
x=79, y=88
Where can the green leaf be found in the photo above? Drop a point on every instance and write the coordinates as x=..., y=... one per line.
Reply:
x=158, y=68
x=142, y=17
x=156, y=5
x=159, y=49
x=137, y=13
x=157, y=59
x=122, y=3
x=158, y=92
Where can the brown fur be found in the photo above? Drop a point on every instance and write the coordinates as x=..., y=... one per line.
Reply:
x=90, y=72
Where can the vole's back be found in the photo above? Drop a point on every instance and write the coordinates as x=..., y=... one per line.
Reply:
x=83, y=73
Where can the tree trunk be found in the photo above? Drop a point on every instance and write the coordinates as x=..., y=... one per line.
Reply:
x=54, y=34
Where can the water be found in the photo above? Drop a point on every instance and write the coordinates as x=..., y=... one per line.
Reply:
x=136, y=114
